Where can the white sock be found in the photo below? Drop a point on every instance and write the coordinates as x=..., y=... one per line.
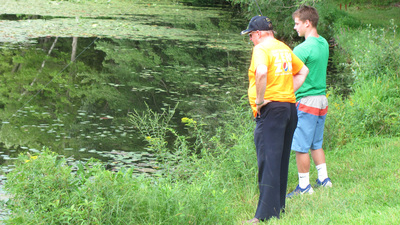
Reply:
x=322, y=172
x=304, y=180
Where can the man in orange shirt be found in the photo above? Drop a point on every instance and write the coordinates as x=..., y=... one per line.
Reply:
x=275, y=73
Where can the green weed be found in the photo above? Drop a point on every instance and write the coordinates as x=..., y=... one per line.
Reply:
x=365, y=177
x=372, y=107
x=217, y=189
x=211, y=189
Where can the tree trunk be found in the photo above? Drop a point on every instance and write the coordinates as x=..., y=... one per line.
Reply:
x=74, y=47
x=41, y=68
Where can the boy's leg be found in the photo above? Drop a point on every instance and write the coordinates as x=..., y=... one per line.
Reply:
x=303, y=167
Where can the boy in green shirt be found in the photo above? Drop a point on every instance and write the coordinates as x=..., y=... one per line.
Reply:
x=312, y=104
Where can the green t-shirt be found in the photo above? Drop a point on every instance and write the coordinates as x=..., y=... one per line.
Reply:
x=314, y=52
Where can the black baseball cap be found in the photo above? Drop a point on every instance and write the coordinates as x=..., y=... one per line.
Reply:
x=258, y=23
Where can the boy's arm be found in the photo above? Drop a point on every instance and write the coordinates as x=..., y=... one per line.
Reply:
x=299, y=78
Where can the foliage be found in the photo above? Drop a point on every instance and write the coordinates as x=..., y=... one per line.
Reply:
x=331, y=17
x=381, y=15
x=372, y=108
x=132, y=20
x=360, y=195
x=154, y=128
x=280, y=13
x=364, y=2
x=204, y=2
x=214, y=189
x=65, y=197
x=37, y=86
x=373, y=53
x=113, y=76
x=201, y=191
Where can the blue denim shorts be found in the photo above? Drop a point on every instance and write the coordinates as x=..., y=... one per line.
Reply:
x=311, y=112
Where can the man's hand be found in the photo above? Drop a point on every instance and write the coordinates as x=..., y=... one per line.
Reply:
x=262, y=105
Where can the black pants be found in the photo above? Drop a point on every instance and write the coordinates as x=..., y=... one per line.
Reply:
x=273, y=139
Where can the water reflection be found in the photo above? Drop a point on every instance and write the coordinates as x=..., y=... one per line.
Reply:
x=143, y=55
x=24, y=17
x=81, y=110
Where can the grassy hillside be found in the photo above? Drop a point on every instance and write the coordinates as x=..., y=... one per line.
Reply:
x=366, y=178
x=381, y=14
x=219, y=189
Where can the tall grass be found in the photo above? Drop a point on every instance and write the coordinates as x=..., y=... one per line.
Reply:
x=211, y=189
x=365, y=179
x=365, y=173
x=373, y=107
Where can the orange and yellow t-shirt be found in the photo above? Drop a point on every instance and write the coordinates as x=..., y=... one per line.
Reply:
x=282, y=65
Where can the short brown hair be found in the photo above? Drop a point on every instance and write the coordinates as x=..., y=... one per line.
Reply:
x=307, y=13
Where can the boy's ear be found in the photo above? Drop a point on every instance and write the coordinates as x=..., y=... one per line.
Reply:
x=308, y=23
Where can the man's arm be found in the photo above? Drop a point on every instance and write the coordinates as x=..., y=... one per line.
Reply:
x=299, y=78
x=261, y=82
x=261, y=85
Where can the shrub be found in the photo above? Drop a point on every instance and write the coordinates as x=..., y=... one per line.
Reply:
x=372, y=108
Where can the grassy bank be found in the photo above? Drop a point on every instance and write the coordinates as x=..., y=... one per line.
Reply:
x=218, y=189
x=382, y=14
x=366, y=179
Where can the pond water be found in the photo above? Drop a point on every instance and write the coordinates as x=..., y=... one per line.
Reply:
x=71, y=74
x=70, y=85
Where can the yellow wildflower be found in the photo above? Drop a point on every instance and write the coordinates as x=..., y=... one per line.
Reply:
x=189, y=122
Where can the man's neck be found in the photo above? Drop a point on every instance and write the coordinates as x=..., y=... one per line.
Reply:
x=267, y=38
